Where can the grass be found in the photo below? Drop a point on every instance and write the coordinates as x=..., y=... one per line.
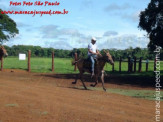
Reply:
x=63, y=65
x=44, y=113
x=144, y=94
x=12, y=105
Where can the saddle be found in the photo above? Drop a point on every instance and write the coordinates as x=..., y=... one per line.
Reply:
x=87, y=63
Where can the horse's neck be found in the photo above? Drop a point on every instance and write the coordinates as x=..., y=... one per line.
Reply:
x=101, y=63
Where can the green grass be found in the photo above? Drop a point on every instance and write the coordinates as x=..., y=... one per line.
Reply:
x=12, y=105
x=63, y=65
x=144, y=94
x=44, y=113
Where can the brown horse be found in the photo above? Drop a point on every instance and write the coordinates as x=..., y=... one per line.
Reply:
x=3, y=52
x=99, y=68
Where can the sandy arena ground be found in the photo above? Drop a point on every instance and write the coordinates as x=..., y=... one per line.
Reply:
x=36, y=97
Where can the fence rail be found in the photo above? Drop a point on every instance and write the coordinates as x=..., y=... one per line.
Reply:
x=132, y=64
x=29, y=62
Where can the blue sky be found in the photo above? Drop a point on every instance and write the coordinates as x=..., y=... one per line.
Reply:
x=113, y=22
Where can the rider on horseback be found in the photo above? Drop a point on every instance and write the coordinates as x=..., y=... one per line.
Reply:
x=92, y=53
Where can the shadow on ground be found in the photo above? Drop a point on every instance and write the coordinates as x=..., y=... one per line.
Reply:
x=133, y=80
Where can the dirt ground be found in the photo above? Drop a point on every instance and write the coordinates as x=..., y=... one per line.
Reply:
x=36, y=97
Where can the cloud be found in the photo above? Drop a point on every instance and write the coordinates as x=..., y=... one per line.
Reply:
x=63, y=38
x=20, y=24
x=115, y=7
x=123, y=42
x=14, y=41
x=105, y=42
x=5, y=6
x=71, y=32
x=133, y=16
x=110, y=33
x=87, y=4
x=125, y=11
x=69, y=38
x=49, y=31
x=61, y=44
x=53, y=31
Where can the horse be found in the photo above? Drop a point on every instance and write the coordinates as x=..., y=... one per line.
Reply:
x=3, y=52
x=98, y=70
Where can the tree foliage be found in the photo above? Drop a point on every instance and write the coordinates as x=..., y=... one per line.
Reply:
x=37, y=51
x=7, y=27
x=151, y=20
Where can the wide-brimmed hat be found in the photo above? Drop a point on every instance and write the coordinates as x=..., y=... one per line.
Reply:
x=94, y=39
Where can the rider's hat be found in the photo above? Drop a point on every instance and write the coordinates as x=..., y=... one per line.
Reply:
x=94, y=39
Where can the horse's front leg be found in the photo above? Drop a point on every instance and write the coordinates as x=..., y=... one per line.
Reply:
x=96, y=81
x=102, y=79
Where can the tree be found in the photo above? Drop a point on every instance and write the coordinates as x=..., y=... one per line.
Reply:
x=151, y=20
x=7, y=27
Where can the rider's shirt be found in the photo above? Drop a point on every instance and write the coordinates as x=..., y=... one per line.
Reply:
x=92, y=47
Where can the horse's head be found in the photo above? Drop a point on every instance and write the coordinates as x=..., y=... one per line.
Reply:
x=3, y=52
x=108, y=57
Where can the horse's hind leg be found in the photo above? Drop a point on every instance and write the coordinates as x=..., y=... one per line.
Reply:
x=77, y=75
x=102, y=79
x=96, y=82
x=81, y=78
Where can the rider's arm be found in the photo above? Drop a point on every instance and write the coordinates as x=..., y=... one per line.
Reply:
x=91, y=52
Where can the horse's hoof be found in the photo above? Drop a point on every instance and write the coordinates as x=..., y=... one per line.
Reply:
x=104, y=89
x=92, y=85
x=86, y=88
x=74, y=82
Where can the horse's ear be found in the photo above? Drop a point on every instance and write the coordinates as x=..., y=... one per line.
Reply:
x=108, y=51
x=105, y=51
x=1, y=47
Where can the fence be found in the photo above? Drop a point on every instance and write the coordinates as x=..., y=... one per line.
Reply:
x=29, y=62
x=131, y=64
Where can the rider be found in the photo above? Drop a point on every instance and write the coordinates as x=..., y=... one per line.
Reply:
x=92, y=53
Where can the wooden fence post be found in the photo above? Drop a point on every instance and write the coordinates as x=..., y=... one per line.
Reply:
x=2, y=64
x=147, y=65
x=29, y=61
x=113, y=64
x=129, y=61
x=76, y=57
x=131, y=65
x=52, y=61
x=140, y=64
x=120, y=60
x=134, y=64
x=155, y=64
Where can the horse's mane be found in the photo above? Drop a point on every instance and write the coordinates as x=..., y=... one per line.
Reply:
x=101, y=57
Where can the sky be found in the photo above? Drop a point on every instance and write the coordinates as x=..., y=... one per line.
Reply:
x=114, y=23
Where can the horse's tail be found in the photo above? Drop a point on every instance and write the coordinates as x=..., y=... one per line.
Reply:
x=73, y=62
